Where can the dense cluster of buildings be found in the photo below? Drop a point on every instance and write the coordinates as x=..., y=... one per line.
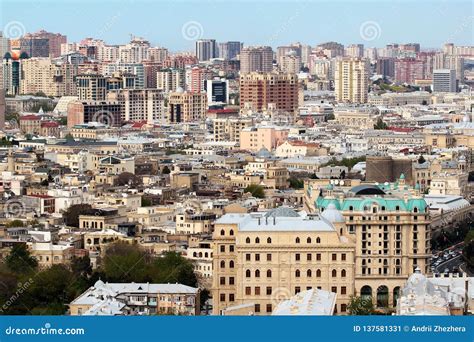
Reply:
x=293, y=178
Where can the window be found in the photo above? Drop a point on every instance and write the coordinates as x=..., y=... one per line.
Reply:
x=257, y=257
x=318, y=273
x=343, y=256
x=269, y=273
x=308, y=240
x=247, y=273
x=269, y=257
x=269, y=290
x=318, y=257
x=222, y=249
x=231, y=264
x=318, y=240
x=269, y=240
x=257, y=274
x=334, y=289
x=343, y=273
x=334, y=257
x=343, y=290
x=247, y=257
x=222, y=297
x=257, y=308
x=343, y=307
x=222, y=281
x=222, y=232
x=257, y=290
x=334, y=273
x=222, y=264
x=309, y=273
x=231, y=297
x=297, y=273
x=269, y=308
x=231, y=232
x=297, y=240
x=247, y=240
x=257, y=240
x=248, y=291
x=297, y=257
x=231, y=280
x=297, y=290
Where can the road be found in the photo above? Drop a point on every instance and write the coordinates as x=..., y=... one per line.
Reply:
x=449, y=264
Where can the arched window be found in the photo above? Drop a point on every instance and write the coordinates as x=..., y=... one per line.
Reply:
x=257, y=274
x=206, y=255
x=195, y=254
x=297, y=273
x=351, y=208
x=334, y=273
x=397, y=208
x=318, y=240
x=222, y=264
x=247, y=273
x=415, y=209
x=269, y=273
x=269, y=240
x=200, y=254
x=297, y=240
x=308, y=240
x=318, y=273
x=247, y=240
x=231, y=232
x=231, y=264
x=222, y=232
x=257, y=240
x=309, y=274
x=383, y=208
x=343, y=273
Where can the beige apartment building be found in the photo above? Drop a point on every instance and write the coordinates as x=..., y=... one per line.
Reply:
x=256, y=59
x=186, y=107
x=357, y=119
x=268, y=137
x=51, y=78
x=140, y=104
x=229, y=129
x=263, y=258
x=352, y=80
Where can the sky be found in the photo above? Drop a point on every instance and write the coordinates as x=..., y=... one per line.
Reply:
x=176, y=24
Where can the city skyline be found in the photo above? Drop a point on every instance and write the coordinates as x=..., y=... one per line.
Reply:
x=279, y=23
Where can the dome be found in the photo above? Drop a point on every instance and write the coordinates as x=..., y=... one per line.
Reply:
x=180, y=90
x=332, y=214
x=402, y=176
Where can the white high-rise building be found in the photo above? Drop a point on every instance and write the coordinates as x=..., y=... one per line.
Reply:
x=444, y=80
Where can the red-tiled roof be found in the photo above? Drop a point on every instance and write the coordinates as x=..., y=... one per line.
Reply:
x=30, y=117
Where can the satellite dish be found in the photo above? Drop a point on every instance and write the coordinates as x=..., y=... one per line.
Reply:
x=341, y=182
x=336, y=182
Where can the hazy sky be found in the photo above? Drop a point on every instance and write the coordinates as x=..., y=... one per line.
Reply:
x=175, y=24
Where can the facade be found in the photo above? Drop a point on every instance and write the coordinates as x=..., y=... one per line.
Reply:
x=269, y=91
x=206, y=49
x=444, y=80
x=91, y=87
x=186, y=107
x=352, y=80
x=229, y=50
x=263, y=258
x=217, y=91
x=230, y=129
x=256, y=59
x=106, y=112
x=407, y=70
x=264, y=137
x=170, y=80
x=140, y=104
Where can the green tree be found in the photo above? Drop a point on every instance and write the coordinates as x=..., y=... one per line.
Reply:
x=166, y=170
x=296, y=183
x=19, y=260
x=360, y=306
x=15, y=223
x=256, y=190
x=124, y=262
x=128, y=178
x=171, y=267
x=146, y=202
x=81, y=266
x=71, y=215
x=380, y=124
